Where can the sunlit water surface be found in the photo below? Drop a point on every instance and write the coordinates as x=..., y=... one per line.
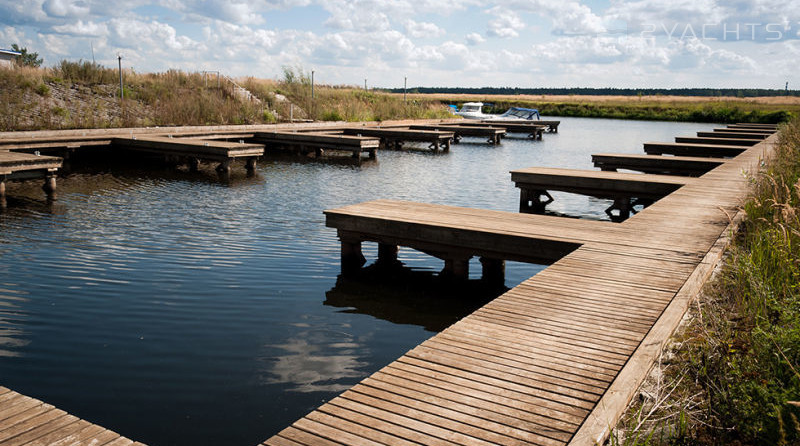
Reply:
x=176, y=309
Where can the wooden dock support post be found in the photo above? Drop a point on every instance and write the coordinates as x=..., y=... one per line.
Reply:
x=494, y=271
x=352, y=258
x=251, y=165
x=224, y=167
x=49, y=186
x=623, y=206
x=387, y=254
x=531, y=202
x=3, y=202
x=194, y=164
x=456, y=267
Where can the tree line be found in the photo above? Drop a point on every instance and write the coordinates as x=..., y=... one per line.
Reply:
x=720, y=92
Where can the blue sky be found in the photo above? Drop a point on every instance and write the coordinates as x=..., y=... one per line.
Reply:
x=472, y=43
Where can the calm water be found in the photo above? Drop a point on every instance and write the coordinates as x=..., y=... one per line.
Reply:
x=176, y=309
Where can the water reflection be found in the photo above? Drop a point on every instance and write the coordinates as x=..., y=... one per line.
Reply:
x=12, y=335
x=317, y=360
x=402, y=295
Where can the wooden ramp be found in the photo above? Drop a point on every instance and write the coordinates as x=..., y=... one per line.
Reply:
x=555, y=360
x=661, y=165
x=192, y=151
x=27, y=421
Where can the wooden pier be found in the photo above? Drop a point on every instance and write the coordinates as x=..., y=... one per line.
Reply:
x=552, y=126
x=626, y=189
x=28, y=421
x=306, y=143
x=660, y=165
x=22, y=166
x=534, y=131
x=715, y=140
x=693, y=149
x=395, y=138
x=193, y=151
x=492, y=134
x=717, y=133
x=555, y=360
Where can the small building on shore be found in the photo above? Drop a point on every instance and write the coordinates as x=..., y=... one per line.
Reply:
x=8, y=57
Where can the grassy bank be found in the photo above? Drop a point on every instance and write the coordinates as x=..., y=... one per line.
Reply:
x=660, y=108
x=732, y=376
x=86, y=95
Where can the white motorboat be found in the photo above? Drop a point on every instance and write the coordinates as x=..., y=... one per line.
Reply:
x=474, y=110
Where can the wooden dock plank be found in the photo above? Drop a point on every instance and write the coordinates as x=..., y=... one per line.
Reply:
x=28, y=421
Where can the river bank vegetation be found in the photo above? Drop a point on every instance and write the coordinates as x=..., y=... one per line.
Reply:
x=733, y=373
x=87, y=95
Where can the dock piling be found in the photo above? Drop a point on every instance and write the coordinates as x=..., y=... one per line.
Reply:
x=493, y=271
x=533, y=201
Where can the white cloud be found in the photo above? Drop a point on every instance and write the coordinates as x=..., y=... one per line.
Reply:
x=474, y=39
x=87, y=29
x=65, y=8
x=506, y=23
x=420, y=30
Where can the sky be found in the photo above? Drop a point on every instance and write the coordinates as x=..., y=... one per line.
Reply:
x=431, y=43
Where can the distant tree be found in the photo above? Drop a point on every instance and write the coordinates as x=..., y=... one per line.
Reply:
x=27, y=59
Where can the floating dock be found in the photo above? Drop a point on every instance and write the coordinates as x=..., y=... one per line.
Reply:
x=555, y=360
x=28, y=421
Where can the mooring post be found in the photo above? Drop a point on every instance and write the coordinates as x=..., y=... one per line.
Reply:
x=446, y=145
x=494, y=271
x=2, y=186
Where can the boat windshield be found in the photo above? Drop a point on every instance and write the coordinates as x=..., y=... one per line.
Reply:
x=470, y=108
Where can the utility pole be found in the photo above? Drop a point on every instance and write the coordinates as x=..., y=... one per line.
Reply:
x=365, y=84
x=312, y=84
x=121, y=91
x=405, y=86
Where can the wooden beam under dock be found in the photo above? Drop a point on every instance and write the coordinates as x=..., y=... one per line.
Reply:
x=191, y=150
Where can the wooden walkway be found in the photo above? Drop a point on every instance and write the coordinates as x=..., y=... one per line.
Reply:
x=28, y=421
x=192, y=151
x=555, y=360
x=661, y=165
